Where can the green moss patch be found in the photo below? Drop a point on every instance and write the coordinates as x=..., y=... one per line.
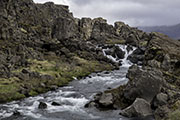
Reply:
x=60, y=71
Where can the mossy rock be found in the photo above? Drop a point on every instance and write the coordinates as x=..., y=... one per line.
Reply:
x=174, y=115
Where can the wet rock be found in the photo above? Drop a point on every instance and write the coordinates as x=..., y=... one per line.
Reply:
x=115, y=52
x=129, y=48
x=42, y=105
x=137, y=56
x=106, y=99
x=53, y=87
x=90, y=104
x=106, y=72
x=139, y=108
x=119, y=52
x=16, y=113
x=55, y=104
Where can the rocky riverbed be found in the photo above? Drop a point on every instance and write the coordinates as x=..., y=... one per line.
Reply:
x=67, y=103
x=43, y=47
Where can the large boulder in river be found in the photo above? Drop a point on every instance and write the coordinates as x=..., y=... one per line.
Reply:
x=116, y=52
x=139, y=108
x=42, y=105
x=144, y=83
x=137, y=56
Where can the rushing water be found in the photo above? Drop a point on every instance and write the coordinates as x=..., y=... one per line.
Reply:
x=71, y=98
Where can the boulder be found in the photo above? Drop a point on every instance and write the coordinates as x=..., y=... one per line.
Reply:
x=137, y=56
x=139, y=108
x=106, y=100
x=144, y=83
x=160, y=99
x=129, y=48
x=116, y=52
x=119, y=52
x=55, y=104
x=42, y=105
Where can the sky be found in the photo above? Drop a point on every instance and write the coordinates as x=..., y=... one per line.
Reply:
x=132, y=12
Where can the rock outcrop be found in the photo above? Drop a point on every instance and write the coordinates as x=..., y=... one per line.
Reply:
x=156, y=81
x=42, y=47
x=140, y=108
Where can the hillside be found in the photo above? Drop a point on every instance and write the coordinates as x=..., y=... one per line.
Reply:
x=172, y=31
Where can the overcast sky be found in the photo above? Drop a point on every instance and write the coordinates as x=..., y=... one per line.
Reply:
x=132, y=12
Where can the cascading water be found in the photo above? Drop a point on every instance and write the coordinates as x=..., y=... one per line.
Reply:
x=72, y=98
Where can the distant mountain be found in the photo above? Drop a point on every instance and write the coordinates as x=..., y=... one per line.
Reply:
x=172, y=31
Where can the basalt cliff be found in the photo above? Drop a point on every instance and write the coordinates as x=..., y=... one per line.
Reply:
x=42, y=47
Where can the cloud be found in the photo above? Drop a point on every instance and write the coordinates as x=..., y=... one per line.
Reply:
x=133, y=12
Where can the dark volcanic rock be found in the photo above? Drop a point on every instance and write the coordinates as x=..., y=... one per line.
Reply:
x=144, y=83
x=55, y=104
x=115, y=51
x=137, y=56
x=42, y=105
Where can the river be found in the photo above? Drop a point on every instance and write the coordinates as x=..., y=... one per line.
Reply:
x=71, y=98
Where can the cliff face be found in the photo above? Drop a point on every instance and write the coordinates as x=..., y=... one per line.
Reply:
x=43, y=46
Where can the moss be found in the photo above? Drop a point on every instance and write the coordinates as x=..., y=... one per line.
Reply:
x=143, y=43
x=174, y=115
x=176, y=105
x=33, y=93
x=62, y=73
x=171, y=75
x=9, y=90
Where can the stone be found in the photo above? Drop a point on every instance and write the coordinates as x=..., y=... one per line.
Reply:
x=55, y=104
x=139, y=108
x=42, y=105
x=106, y=99
x=115, y=52
x=144, y=83
x=90, y=104
x=160, y=99
x=129, y=48
x=53, y=87
x=137, y=56
x=16, y=113
x=118, y=51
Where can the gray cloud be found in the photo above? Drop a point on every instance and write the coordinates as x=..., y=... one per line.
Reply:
x=133, y=12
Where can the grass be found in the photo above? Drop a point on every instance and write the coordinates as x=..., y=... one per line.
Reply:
x=9, y=89
x=61, y=71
